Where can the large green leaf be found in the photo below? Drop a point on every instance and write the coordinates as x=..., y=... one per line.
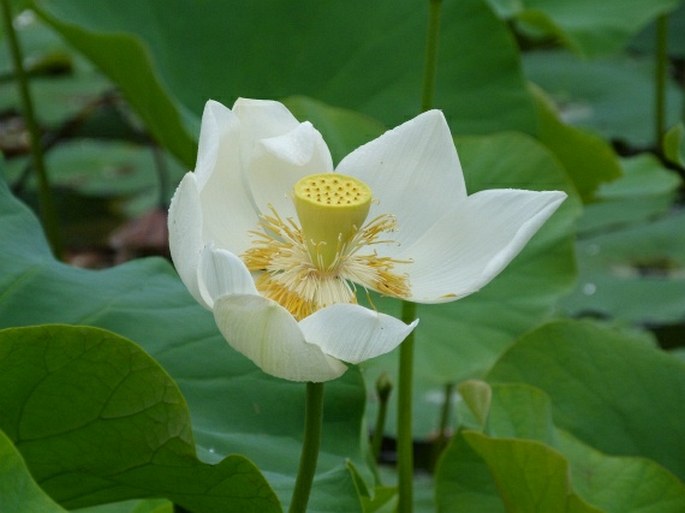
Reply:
x=522, y=462
x=580, y=25
x=531, y=477
x=98, y=421
x=169, y=57
x=460, y=340
x=608, y=388
x=674, y=144
x=19, y=493
x=133, y=506
x=232, y=404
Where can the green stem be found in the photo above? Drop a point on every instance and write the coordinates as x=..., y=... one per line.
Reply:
x=430, y=70
x=313, y=420
x=443, y=428
x=47, y=208
x=405, y=438
x=383, y=389
x=661, y=70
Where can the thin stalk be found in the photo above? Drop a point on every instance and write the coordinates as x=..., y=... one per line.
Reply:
x=661, y=70
x=313, y=420
x=383, y=389
x=430, y=70
x=443, y=428
x=48, y=213
x=405, y=435
x=162, y=171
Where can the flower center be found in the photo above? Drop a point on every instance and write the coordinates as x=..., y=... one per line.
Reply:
x=315, y=264
x=331, y=207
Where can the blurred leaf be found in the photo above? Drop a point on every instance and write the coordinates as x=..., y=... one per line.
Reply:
x=98, y=421
x=62, y=83
x=232, y=403
x=588, y=159
x=608, y=388
x=633, y=274
x=645, y=41
x=100, y=168
x=645, y=191
x=610, y=95
x=19, y=493
x=179, y=53
x=462, y=340
x=126, y=61
x=581, y=26
x=674, y=144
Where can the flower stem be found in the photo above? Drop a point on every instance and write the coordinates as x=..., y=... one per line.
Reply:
x=383, y=389
x=47, y=208
x=443, y=428
x=405, y=438
x=660, y=80
x=430, y=70
x=313, y=419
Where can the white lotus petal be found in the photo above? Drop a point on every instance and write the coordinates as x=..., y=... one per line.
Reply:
x=185, y=235
x=353, y=333
x=269, y=336
x=228, y=207
x=414, y=173
x=262, y=119
x=222, y=273
x=474, y=241
x=279, y=162
x=216, y=121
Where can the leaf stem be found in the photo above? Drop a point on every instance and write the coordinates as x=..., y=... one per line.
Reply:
x=383, y=389
x=443, y=428
x=430, y=70
x=313, y=420
x=661, y=70
x=47, y=209
x=405, y=438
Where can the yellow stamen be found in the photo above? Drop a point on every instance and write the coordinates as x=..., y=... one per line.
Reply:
x=332, y=207
x=305, y=271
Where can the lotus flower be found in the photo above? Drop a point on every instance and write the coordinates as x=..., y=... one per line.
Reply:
x=267, y=235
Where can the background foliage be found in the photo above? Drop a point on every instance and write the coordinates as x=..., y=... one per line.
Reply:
x=558, y=387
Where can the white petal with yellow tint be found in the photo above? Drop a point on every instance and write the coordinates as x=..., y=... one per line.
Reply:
x=279, y=162
x=222, y=273
x=473, y=241
x=185, y=235
x=414, y=173
x=227, y=204
x=268, y=335
x=262, y=119
x=353, y=333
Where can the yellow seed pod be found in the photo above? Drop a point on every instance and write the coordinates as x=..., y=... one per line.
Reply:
x=331, y=207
